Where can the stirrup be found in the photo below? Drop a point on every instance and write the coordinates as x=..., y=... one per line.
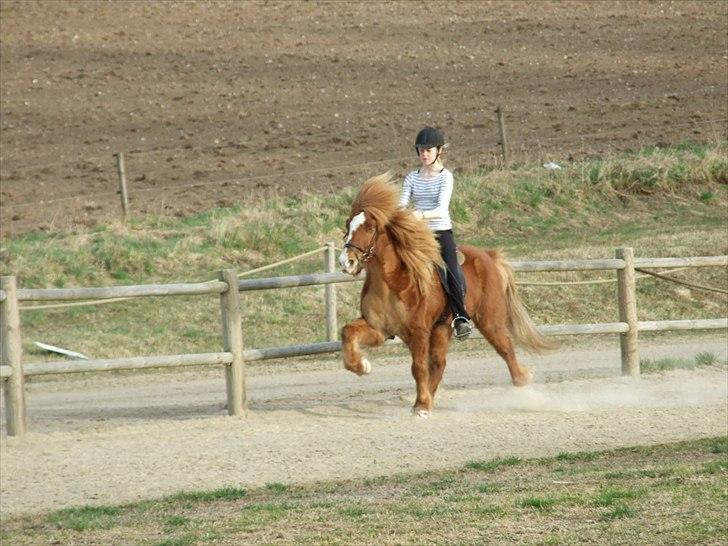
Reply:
x=462, y=327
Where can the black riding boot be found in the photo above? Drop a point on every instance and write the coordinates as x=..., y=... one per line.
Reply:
x=461, y=322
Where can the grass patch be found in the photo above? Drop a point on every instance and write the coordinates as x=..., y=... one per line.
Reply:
x=719, y=445
x=177, y=521
x=225, y=493
x=706, y=359
x=85, y=518
x=716, y=467
x=276, y=487
x=493, y=463
x=488, y=487
x=648, y=365
x=609, y=496
x=540, y=503
x=644, y=493
x=618, y=512
x=578, y=456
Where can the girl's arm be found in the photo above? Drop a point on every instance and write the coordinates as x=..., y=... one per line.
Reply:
x=404, y=197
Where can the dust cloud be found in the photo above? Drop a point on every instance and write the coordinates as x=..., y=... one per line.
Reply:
x=682, y=390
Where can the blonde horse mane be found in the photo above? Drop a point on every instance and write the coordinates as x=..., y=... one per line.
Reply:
x=413, y=241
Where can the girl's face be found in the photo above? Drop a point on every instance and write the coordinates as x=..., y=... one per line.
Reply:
x=427, y=155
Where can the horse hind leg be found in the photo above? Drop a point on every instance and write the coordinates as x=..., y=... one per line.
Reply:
x=499, y=338
x=354, y=335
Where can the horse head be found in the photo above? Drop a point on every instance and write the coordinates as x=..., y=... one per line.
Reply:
x=370, y=213
x=359, y=244
x=376, y=216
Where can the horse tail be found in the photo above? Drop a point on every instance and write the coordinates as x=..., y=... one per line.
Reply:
x=522, y=328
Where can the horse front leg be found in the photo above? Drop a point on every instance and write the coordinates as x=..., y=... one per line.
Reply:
x=439, y=341
x=354, y=335
x=419, y=345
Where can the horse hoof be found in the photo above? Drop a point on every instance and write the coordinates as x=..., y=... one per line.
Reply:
x=366, y=366
x=524, y=380
x=422, y=413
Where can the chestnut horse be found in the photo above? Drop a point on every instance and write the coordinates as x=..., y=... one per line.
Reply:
x=403, y=296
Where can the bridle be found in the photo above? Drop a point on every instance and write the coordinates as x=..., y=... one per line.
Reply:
x=369, y=252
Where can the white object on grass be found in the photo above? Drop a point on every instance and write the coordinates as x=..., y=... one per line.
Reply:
x=71, y=354
x=551, y=166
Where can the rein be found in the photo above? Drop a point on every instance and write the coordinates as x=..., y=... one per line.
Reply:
x=369, y=252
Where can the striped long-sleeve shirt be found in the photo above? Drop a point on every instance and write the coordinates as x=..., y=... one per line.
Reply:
x=431, y=196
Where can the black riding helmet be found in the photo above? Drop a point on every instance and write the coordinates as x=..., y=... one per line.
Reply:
x=429, y=137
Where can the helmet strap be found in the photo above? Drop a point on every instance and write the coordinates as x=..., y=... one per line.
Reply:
x=437, y=157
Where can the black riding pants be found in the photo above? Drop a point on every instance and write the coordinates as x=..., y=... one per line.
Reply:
x=449, y=255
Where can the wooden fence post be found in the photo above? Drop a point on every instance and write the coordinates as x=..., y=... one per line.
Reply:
x=232, y=331
x=122, y=184
x=11, y=353
x=626, y=295
x=330, y=291
x=503, y=139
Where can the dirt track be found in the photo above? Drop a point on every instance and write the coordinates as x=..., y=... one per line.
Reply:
x=111, y=439
x=214, y=103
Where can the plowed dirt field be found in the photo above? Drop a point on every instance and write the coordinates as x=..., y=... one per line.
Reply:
x=215, y=103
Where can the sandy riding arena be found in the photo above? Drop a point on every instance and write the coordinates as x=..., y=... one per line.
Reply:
x=116, y=438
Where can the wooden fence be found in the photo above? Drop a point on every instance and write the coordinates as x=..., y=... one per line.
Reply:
x=233, y=355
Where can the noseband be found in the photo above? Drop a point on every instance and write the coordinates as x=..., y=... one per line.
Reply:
x=369, y=252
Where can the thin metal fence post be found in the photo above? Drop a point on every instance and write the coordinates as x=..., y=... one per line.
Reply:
x=626, y=294
x=330, y=291
x=11, y=352
x=232, y=331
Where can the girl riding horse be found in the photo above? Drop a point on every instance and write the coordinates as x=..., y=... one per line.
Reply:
x=403, y=297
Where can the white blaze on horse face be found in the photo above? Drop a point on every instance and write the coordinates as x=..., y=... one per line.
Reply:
x=356, y=222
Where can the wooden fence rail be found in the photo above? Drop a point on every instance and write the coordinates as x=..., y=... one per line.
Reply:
x=234, y=356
